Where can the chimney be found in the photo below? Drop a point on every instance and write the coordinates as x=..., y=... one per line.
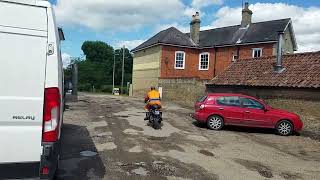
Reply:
x=195, y=28
x=246, y=15
x=279, y=66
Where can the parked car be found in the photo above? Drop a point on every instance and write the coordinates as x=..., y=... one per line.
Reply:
x=31, y=90
x=219, y=110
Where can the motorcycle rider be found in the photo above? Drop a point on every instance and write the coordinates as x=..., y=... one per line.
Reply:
x=152, y=98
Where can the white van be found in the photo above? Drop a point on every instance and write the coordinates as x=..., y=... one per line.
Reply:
x=31, y=89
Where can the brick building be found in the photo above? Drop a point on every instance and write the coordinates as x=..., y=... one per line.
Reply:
x=203, y=55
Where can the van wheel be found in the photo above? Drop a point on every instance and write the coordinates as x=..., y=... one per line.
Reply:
x=284, y=128
x=215, y=122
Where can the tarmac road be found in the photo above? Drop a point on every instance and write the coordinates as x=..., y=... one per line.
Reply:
x=105, y=137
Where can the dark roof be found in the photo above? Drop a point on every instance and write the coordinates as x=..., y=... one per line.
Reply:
x=169, y=36
x=256, y=33
x=301, y=71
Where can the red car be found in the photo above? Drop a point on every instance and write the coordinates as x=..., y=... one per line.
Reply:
x=218, y=110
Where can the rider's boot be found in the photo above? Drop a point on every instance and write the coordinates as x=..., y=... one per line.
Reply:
x=147, y=116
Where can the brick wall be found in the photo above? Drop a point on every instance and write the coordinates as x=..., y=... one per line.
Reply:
x=191, y=69
x=146, y=70
x=216, y=66
x=182, y=91
x=245, y=52
x=224, y=58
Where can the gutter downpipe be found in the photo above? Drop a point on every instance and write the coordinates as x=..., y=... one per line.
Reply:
x=215, y=62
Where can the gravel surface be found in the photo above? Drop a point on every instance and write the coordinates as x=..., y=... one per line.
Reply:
x=105, y=137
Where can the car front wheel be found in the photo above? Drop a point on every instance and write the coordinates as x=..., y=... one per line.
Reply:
x=284, y=128
x=215, y=122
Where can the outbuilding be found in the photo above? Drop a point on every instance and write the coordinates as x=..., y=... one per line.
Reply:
x=294, y=76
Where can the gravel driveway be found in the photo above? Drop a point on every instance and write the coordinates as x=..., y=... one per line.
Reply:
x=105, y=137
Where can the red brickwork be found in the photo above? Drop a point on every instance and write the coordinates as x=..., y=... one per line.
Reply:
x=218, y=61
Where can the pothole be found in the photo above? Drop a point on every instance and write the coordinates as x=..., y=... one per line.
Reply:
x=140, y=171
x=122, y=116
x=163, y=169
x=153, y=138
x=88, y=153
x=205, y=152
x=263, y=170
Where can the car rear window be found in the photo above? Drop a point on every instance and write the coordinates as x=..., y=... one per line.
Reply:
x=202, y=99
x=229, y=101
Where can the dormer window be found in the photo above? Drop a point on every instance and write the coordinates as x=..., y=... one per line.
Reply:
x=256, y=52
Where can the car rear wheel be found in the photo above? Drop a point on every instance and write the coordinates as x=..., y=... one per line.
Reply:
x=284, y=128
x=215, y=122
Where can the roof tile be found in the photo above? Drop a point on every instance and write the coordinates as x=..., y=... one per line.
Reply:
x=301, y=70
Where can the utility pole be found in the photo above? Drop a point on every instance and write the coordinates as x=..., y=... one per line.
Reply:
x=122, y=69
x=114, y=68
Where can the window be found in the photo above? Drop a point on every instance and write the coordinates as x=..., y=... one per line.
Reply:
x=204, y=61
x=202, y=99
x=229, y=101
x=250, y=103
x=179, y=60
x=234, y=58
x=256, y=52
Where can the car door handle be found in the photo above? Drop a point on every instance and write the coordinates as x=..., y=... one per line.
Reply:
x=247, y=111
x=220, y=108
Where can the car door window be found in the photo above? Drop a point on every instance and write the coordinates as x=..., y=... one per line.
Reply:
x=250, y=103
x=201, y=99
x=229, y=101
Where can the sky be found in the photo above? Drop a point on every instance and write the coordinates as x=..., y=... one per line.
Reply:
x=131, y=22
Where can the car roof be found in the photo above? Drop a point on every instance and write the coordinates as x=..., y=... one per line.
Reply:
x=229, y=94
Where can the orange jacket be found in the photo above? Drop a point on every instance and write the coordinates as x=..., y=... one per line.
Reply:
x=153, y=97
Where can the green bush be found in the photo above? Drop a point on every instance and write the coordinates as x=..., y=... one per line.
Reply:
x=85, y=87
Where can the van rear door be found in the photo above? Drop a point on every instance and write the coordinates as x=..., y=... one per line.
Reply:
x=23, y=54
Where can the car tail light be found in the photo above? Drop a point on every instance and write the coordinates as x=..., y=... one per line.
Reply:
x=45, y=171
x=51, y=115
x=202, y=106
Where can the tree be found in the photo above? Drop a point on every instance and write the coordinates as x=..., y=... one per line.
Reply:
x=97, y=51
x=96, y=69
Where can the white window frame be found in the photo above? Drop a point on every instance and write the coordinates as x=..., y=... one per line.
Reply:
x=175, y=60
x=234, y=59
x=256, y=49
x=204, y=53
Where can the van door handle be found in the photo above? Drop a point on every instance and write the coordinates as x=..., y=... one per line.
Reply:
x=220, y=108
x=247, y=111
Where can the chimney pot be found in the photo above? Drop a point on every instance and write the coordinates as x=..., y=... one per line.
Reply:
x=246, y=5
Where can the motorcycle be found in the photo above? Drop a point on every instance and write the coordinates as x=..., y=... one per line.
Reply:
x=155, y=117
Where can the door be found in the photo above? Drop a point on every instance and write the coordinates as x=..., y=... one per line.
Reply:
x=230, y=108
x=254, y=113
x=22, y=81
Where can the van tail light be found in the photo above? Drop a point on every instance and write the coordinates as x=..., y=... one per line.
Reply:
x=51, y=115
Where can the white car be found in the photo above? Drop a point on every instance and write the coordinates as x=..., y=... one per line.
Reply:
x=31, y=90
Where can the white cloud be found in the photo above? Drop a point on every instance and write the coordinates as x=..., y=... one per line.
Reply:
x=189, y=11
x=203, y=3
x=161, y=27
x=117, y=14
x=66, y=59
x=305, y=20
x=129, y=44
